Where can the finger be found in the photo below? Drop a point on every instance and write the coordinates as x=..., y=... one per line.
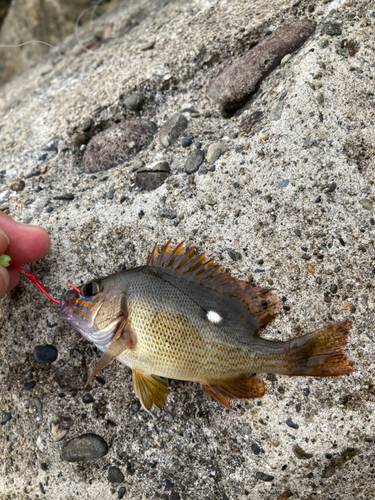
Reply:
x=27, y=243
x=4, y=280
x=4, y=242
x=14, y=277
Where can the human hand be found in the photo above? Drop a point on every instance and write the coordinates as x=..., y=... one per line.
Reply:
x=23, y=243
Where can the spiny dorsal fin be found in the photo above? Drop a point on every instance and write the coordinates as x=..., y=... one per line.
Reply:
x=262, y=304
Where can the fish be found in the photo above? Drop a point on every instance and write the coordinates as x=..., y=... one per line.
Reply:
x=182, y=317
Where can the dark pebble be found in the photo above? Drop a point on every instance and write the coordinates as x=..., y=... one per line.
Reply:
x=234, y=255
x=29, y=385
x=121, y=492
x=284, y=467
x=329, y=456
x=187, y=141
x=333, y=288
x=175, y=495
x=297, y=232
x=100, y=380
x=332, y=187
x=298, y=407
x=318, y=200
x=332, y=28
x=6, y=418
x=233, y=88
x=44, y=466
x=306, y=391
x=172, y=130
x=117, y=144
x=111, y=194
x=49, y=210
x=263, y=476
x=168, y=484
x=41, y=487
x=194, y=161
x=310, y=475
x=17, y=186
x=304, y=249
x=88, y=398
x=290, y=423
x=135, y=101
x=64, y=197
x=256, y=449
x=115, y=475
x=152, y=176
x=33, y=173
x=45, y=354
x=84, y=448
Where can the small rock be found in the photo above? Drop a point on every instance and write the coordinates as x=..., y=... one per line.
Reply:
x=300, y=453
x=152, y=176
x=234, y=255
x=277, y=111
x=283, y=184
x=352, y=47
x=323, y=43
x=194, y=161
x=6, y=418
x=43, y=466
x=366, y=204
x=187, y=141
x=58, y=426
x=29, y=385
x=121, y=493
x=80, y=138
x=39, y=409
x=45, y=354
x=285, y=59
x=332, y=28
x=263, y=476
x=172, y=130
x=148, y=45
x=117, y=144
x=115, y=475
x=87, y=124
x=234, y=87
x=215, y=150
x=290, y=423
x=64, y=197
x=33, y=173
x=87, y=399
x=331, y=187
x=135, y=101
x=84, y=448
x=333, y=288
x=264, y=137
x=17, y=186
x=256, y=449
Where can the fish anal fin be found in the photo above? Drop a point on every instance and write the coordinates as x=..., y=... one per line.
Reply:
x=124, y=339
x=259, y=302
x=150, y=389
x=242, y=386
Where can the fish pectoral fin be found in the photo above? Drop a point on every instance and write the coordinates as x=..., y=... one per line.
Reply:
x=150, y=389
x=124, y=339
x=242, y=386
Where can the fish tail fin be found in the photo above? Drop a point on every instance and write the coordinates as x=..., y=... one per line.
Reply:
x=320, y=353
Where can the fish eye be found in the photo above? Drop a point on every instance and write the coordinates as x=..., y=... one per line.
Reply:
x=91, y=289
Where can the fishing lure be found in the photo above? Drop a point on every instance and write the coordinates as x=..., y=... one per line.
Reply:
x=180, y=317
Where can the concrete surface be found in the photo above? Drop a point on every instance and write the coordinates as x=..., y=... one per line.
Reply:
x=270, y=195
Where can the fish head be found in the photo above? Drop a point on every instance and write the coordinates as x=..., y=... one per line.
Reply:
x=95, y=310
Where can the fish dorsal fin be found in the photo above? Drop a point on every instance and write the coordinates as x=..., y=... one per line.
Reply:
x=262, y=304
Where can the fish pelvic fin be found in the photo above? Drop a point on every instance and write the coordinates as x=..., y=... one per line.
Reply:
x=242, y=386
x=259, y=302
x=150, y=389
x=124, y=339
x=320, y=353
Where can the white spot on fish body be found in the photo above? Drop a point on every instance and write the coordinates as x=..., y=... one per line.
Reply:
x=214, y=317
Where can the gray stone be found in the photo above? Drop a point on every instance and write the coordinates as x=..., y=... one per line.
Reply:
x=194, y=161
x=263, y=476
x=234, y=87
x=332, y=28
x=84, y=448
x=277, y=111
x=215, y=150
x=117, y=144
x=115, y=475
x=152, y=176
x=172, y=129
x=135, y=101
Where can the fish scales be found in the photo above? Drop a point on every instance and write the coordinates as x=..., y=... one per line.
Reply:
x=182, y=318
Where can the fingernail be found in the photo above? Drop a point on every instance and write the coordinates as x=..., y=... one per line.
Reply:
x=4, y=281
x=4, y=236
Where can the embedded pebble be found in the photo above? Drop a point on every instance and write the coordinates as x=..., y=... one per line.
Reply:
x=187, y=141
x=215, y=150
x=58, y=426
x=234, y=87
x=332, y=28
x=289, y=422
x=6, y=418
x=194, y=161
x=121, y=493
x=84, y=448
x=300, y=453
x=135, y=101
x=115, y=475
x=17, y=186
x=45, y=354
x=172, y=130
x=39, y=409
x=150, y=177
x=366, y=204
x=117, y=144
x=29, y=385
x=88, y=398
x=233, y=254
x=264, y=477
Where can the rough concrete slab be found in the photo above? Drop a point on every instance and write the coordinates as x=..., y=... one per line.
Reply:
x=270, y=199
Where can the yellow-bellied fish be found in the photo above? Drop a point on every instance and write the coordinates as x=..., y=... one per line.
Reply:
x=180, y=317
